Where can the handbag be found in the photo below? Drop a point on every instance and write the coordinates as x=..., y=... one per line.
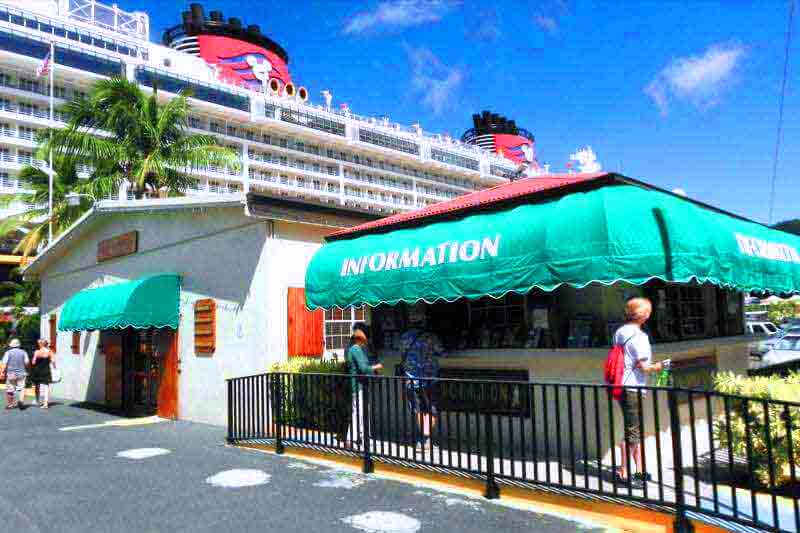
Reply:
x=55, y=374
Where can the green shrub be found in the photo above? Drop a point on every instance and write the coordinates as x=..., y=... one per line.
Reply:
x=308, y=365
x=762, y=388
x=317, y=402
x=779, y=311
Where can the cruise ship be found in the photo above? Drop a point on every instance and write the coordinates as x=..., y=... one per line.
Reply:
x=292, y=141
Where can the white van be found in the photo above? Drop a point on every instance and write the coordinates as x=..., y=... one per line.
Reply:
x=762, y=332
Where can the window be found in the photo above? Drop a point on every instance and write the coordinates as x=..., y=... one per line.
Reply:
x=314, y=121
x=454, y=159
x=387, y=141
x=304, y=327
x=339, y=326
x=174, y=84
x=76, y=343
x=770, y=328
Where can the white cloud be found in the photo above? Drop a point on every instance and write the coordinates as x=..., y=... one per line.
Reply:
x=699, y=79
x=394, y=15
x=438, y=84
x=548, y=24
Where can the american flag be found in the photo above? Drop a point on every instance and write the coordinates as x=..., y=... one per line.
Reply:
x=44, y=67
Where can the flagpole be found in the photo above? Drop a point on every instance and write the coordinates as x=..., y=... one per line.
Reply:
x=50, y=162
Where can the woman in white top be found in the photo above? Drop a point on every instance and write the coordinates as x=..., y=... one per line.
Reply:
x=638, y=354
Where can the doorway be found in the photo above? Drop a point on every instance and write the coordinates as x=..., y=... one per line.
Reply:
x=150, y=372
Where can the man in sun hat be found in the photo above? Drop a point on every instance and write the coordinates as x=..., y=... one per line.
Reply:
x=16, y=363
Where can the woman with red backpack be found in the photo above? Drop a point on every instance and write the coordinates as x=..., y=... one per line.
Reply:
x=636, y=358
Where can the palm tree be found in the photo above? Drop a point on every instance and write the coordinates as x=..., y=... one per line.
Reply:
x=33, y=223
x=135, y=137
x=20, y=294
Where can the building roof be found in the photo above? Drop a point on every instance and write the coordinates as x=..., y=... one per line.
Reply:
x=110, y=207
x=500, y=194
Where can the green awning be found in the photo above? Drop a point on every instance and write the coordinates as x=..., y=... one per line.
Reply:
x=606, y=235
x=147, y=302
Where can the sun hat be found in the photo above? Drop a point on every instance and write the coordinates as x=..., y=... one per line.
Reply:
x=14, y=343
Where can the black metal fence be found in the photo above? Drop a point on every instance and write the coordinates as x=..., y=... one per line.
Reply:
x=703, y=454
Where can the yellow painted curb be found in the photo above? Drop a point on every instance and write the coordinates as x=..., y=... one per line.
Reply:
x=616, y=517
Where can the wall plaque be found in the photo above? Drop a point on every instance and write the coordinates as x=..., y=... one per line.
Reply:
x=493, y=394
x=119, y=246
x=205, y=327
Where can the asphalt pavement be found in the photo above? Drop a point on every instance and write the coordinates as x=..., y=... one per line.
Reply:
x=75, y=469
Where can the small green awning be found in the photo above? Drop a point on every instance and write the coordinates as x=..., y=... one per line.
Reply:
x=152, y=301
x=611, y=234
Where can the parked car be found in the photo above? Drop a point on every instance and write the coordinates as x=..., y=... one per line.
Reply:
x=761, y=329
x=762, y=332
x=789, y=323
x=785, y=350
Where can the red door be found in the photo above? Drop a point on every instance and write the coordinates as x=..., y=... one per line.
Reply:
x=168, y=386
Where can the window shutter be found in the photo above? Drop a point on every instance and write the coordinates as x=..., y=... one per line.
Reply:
x=205, y=327
x=53, y=332
x=305, y=328
x=76, y=342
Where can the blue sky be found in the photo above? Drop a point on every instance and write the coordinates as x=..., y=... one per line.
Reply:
x=678, y=94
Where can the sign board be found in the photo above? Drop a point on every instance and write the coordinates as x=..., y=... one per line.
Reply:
x=119, y=246
x=696, y=373
x=490, y=393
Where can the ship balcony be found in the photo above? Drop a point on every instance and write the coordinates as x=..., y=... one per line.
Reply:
x=13, y=138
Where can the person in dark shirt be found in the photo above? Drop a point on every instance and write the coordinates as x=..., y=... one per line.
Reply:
x=358, y=365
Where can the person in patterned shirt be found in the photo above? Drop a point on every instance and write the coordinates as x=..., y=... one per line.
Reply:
x=421, y=350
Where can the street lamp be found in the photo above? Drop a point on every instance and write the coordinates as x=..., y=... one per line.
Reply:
x=74, y=198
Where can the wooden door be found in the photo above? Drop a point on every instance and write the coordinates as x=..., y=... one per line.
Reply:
x=112, y=349
x=168, y=386
x=306, y=336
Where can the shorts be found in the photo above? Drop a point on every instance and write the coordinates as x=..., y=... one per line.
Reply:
x=421, y=400
x=630, y=416
x=15, y=382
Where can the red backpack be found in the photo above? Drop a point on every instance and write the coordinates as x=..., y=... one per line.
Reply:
x=615, y=368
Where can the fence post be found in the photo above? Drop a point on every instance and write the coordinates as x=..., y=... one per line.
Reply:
x=229, y=439
x=278, y=392
x=369, y=465
x=682, y=523
x=492, y=490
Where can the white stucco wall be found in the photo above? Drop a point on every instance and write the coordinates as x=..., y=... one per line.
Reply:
x=245, y=264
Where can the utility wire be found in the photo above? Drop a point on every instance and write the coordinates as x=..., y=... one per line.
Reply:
x=780, y=112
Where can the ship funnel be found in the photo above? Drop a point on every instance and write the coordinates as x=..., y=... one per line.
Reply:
x=302, y=94
x=197, y=14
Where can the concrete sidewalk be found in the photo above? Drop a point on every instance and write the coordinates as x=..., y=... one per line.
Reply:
x=75, y=469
